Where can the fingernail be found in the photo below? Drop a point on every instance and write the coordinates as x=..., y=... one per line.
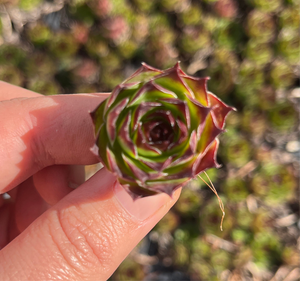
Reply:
x=142, y=208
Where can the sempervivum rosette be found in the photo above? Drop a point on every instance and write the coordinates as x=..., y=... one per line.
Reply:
x=158, y=129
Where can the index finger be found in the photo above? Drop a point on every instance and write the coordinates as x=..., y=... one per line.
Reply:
x=8, y=92
x=42, y=131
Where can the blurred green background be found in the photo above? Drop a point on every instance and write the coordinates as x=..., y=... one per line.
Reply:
x=250, y=49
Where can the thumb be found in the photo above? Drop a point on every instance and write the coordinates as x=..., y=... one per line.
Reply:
x=86, y=235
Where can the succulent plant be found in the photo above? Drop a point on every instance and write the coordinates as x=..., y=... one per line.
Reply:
x=243, y=217
x=266, y=250
x=290, y=18
x=283, y=117
x=250, y=79
x=63, y=45
x=226, y=8
x=145, y=5
x=255, y=122
x=12, y=55
x=11, y=74
x=191, y=16
x=274, y=184
x=181, y=254
x=96, y=46
x=236, y=189
x=189, y=203
x=210, y=218
x=168, y=223
x=43, y=62
x=158, y=130
x=129, y=270
x=115, y=29
x=260, y=53
x=261, y=26
x=288, y=45
x=43, y=86
x=174, y=5
x=238, y=150
x=194, y=39
x=39, y=34
x=268, y=5
x=228, y=34
x=281, y=74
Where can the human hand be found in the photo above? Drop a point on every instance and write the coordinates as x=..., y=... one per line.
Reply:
x=48, y=230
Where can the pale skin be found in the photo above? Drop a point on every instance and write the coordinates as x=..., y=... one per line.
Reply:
x=48, y=230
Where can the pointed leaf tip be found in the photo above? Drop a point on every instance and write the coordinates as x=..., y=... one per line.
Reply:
x=158, y=129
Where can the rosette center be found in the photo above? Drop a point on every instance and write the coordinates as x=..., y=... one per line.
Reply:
x=161, y=132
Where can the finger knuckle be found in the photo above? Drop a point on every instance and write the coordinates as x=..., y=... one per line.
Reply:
x=87, y=243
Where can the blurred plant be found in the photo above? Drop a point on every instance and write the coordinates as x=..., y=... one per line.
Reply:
x=281, y=74
x=102, y=8
x=29, y=4
x=274, y=183
x=288, y=45
x=237, y=150
x=11, y=74
x=63, y=45
x=86, y=71
x=168, y=223
x=163, y=55
x=87, y=88
x=226, y=8
x=129, y=270
x=174, y=5
x=43, y=86
x=242, y=257
x=290, y=18
x=200, y=249
x=140, y=28
x=115, y=29
x=41, y=64
x=250, y=80
x=145, y=5
x=243, y=217
x=12, y=55
x=266, y=250
x=266, y=97
x=189, y=203
x=283, y=117
x=110, y=63
x=221, y=260
x=191, y=16
x=260, y=26
x=241, y=236
x=290, y=256
x=201, y=270
x=235, y=189
x=110, y=78
x=211, y=218
x=96, y=46
x=83, y=13
x=267, y=5
x=260, y=53
x=194, y=39
x=254, y=122
x=160, y=29
x=128, y=48
x=80, y=32
x=39, y=34
x=228, y=35
x=222, y=79
x=181, y=254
